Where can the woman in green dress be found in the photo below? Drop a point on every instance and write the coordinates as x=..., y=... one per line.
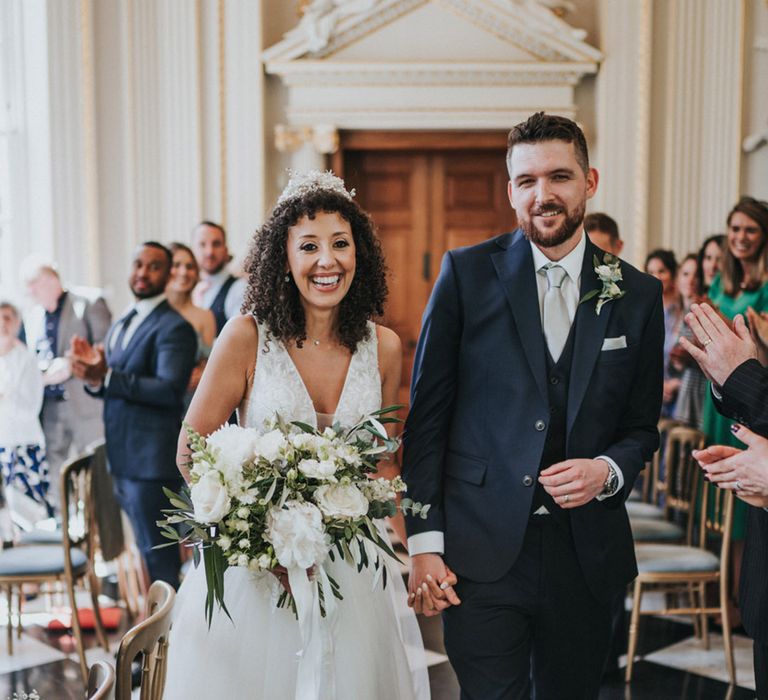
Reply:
x=741, y=284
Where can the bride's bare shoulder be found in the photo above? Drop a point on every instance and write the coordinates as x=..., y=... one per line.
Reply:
x=390, y=347
x=239, y=333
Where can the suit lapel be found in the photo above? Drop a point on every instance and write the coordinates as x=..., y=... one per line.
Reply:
x=590, y=332
x=143, y=330
x=65, y=322
x=514, y=267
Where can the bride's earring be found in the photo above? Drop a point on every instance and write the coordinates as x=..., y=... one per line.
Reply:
x=287, y=277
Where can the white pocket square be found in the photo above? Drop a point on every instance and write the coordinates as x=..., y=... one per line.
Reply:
x=615, y=343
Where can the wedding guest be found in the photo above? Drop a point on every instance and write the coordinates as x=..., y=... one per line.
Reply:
x=742, y=283
x=689, y=407
x=142, y=375
x=663, y=266
x=603, y=231
x=71, y=418
x=185, y=274
x=218, y=290
x=22, y=443
x=740, y=386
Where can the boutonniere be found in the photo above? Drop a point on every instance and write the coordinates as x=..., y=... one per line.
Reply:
x=609, y=273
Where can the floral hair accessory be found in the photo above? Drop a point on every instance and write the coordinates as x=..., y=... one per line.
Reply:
x=311, y=181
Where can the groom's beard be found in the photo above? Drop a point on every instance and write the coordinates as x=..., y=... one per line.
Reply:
x=550, y=239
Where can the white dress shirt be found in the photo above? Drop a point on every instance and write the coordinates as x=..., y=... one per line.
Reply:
x=234, y=299
x=143, y=307
x=432, y=541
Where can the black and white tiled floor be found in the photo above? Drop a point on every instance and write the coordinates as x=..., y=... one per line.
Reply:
x=674, y=666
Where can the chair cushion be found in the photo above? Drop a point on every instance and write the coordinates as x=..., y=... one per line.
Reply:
x=668, y=558
x=644, y=510
x=40, y=537
x=40, y=560
x=652, y=530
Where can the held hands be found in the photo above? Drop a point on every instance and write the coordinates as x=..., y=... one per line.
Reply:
x=88, y=361
x=721, y=350
x=574, y=482
x=430, y=585
x=745, y=472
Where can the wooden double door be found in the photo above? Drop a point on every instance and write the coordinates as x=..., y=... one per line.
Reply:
x=425, y=202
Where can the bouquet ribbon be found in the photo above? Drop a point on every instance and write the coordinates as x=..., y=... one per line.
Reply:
x=315, y=677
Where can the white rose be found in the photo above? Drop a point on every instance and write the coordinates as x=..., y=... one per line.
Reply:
x=224, y=542
x=271, y=445
x=603, y=272
x=297, y=535
x=209, y=498
x=317, y=470
x=264, y=561
x=242, y=560
x=341, y=501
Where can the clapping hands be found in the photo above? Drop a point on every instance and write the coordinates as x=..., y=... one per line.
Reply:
x=745, y=472
x=88, y=361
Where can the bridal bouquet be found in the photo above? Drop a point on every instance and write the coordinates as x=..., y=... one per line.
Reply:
x=288, y=495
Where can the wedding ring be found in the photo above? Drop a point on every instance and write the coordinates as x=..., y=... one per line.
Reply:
x=737, y=485
x=566, y=497
x=706, y=342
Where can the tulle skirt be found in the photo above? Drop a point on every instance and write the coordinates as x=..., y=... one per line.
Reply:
x=376, y=649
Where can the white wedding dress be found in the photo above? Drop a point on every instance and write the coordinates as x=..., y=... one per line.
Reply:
x=373, y=648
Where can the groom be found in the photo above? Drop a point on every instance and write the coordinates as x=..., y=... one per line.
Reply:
x=533, y=410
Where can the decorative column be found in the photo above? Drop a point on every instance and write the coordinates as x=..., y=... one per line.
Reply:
x=696, y=171
x=623, y=97
x=308, y=146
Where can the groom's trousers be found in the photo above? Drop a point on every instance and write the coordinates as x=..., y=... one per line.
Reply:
x=538, y=632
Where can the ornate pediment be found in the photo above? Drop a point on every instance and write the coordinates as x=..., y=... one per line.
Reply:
x=389, y=63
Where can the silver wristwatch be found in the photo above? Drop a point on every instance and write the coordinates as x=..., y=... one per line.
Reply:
x=611, y=484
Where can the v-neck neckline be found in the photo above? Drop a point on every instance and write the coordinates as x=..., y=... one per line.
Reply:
x=306, y=391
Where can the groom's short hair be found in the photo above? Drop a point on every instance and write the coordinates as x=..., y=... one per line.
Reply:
x=549, y=127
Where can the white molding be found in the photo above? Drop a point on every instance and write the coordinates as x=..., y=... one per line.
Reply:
x=424, y=94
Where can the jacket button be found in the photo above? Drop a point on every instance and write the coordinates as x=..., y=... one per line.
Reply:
x=539, y=425
x=554, y=380
x=527, y=480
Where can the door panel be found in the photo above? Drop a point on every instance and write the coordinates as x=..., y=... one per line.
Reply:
x=423, y=204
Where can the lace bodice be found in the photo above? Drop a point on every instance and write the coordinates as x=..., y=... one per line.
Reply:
x=278, y=387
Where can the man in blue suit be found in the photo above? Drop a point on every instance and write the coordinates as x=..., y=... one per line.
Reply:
x=536, y=392
x=141, y=373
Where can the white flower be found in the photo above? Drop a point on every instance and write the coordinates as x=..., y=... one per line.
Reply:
x=379, y=490
x=231, y=446
x=317, y=470
x=297, y=535
x=201, y=467
x=242, y=560
x=224, y=542
x=242, y=513
x=317, y=445
x=341, y=501
x=271, y=445
x=209, y=498
x=264, y=561
x=348, y=454
x=243, y=544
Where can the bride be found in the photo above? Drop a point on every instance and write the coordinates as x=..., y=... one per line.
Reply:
x=308, y=350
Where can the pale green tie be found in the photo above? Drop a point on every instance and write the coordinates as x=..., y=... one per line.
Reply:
x=557, y=323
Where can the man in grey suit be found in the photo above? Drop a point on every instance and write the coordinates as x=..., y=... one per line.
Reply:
x=71, y=418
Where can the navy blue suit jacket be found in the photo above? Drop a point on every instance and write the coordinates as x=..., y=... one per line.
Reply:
x=471, y=441
x=143, y=400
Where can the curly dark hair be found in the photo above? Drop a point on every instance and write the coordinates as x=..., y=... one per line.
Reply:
x=276, y=302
